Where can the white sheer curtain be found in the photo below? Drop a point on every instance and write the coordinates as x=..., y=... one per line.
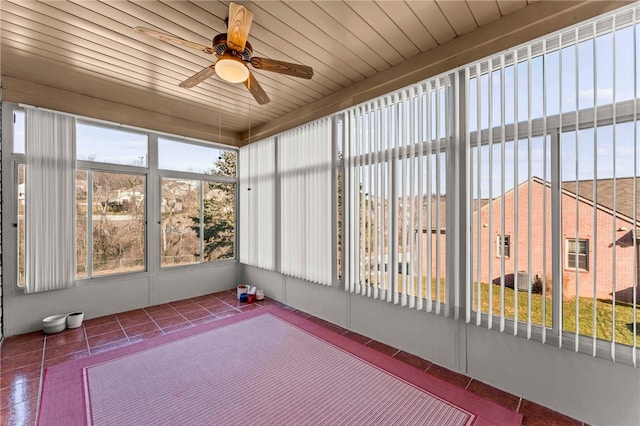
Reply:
x=49, y=202
x=304, y=163
x=257, y=204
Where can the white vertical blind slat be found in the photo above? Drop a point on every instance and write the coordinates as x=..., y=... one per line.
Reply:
x=438, y=138
x=420, y=232
x=615, y=213
x=516, y=144
x=502, y=192
x=478, y=256
x=635, y=191
x=430, y=196
x=412, y=196
x=595, y=197
x=490, y=167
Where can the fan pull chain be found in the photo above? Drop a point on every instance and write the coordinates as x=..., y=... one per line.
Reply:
x=249, y=142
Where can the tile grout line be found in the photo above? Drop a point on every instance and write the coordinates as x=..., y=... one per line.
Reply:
x=86, y=338
x=123, y=330
x=154, y=321
x=519, y=404
x=40, y=381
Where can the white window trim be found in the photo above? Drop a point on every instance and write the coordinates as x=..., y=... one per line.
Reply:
x=571, y=256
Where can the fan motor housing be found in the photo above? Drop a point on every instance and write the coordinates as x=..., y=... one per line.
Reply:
x=221, y=48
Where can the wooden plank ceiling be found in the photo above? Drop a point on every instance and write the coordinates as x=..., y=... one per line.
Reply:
x=89, y=48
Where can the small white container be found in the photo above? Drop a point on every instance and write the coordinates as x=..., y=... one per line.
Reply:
x=54, y=323
x=74, y=319
x=242, y=289
x=260, y=295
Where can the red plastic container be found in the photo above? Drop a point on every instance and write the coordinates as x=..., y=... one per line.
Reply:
x=251, y=298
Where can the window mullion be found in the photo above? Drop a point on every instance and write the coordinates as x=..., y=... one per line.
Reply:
x=557, y=254
x=89, y=260
x=202, y=183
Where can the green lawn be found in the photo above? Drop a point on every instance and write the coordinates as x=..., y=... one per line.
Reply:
x=624, y=317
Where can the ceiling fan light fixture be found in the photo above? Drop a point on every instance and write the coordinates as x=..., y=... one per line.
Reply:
x=232, y=69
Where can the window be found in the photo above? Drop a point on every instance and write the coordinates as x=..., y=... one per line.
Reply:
x=111, y=194
x=195, y=205
x=185, y=157
x=180, y=209
x=577, y=254
x=21, y=224
x=18, y=148
x=395, y=192
x=503, y=246
x=82, y=218
x=553, y=141
x=198, y=215
x=110, y=145
x=217, y=223
x=191, y=234
x=117, y=223
x=18, y=132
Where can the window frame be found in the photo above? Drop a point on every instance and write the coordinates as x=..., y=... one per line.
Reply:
x=507, y=245
x=149, y=171
x=99, y=168
x=572, y=256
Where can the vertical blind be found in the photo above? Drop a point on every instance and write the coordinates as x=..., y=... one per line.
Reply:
x=257, y=177
x=394, y=184
x=50, y=189
x=553, y=196
x=306, y=201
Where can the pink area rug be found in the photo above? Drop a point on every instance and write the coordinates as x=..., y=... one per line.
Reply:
x=266, y=366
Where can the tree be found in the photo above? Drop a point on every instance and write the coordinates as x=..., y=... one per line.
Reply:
x=218, y=224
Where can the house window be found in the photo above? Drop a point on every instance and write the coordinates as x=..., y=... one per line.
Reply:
x=503, y=246
x=577, y=254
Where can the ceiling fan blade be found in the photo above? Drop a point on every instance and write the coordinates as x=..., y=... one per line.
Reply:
x=256, y=90
x=240, y=19
x=287, y=68
x=198, y=77
x=176, y=40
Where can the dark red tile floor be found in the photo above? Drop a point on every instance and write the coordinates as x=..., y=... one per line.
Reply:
x=25, y=357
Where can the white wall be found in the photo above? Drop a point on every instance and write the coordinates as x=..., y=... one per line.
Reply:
x=105, y=296
x=589, y=389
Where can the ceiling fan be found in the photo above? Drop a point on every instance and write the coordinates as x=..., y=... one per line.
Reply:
x=234, y=53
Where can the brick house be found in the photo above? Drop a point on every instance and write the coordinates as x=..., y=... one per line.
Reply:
x=580, y=248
